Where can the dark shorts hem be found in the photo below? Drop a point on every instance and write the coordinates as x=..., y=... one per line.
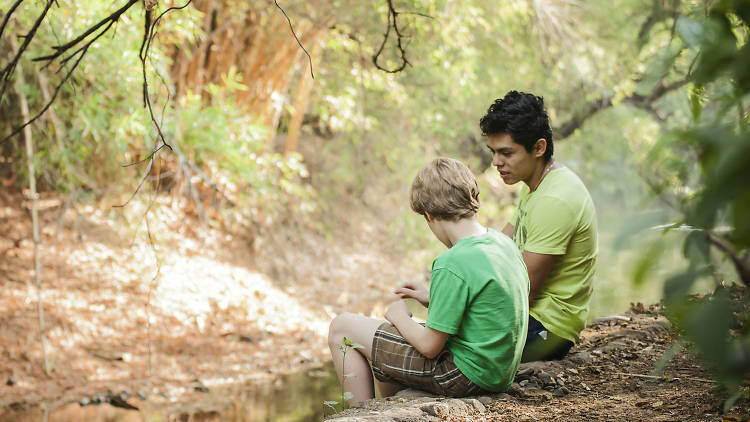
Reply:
x=541, y=344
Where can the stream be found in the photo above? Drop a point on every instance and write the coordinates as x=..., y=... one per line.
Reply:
x=294, y=397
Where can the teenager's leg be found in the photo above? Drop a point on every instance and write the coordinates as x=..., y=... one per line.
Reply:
x=358, y=329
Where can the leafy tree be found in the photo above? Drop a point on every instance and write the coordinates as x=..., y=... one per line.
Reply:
x=700, y=168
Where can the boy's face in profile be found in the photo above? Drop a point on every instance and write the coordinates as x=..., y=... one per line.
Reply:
x=511, y=159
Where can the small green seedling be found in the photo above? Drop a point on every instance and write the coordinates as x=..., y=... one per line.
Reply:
x=344, y=347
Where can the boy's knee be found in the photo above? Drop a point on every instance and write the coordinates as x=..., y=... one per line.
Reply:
x=338, y=329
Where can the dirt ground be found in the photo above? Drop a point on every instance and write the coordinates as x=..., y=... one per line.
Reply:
x=608, y=375
x=202, y=309
x=191, y=308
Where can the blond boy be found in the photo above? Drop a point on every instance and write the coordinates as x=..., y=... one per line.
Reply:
x=465, y=347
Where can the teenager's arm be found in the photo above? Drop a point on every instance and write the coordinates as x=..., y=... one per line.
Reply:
x=427, y=341
x=538, y=266
x=508, y=230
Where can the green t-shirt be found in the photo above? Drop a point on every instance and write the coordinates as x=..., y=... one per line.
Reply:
x=479, y=294
x=559, y=218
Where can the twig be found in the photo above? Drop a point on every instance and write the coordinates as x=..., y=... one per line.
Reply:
x=741, y=264
x=82, y=52
x=10, y=67
x=7, y=15
x=143, y=179
x=148, y=37
x=150, y=289
x=392, y=23
x=661, y=377
x=143, y=55
x=61, y=49
x=296, y=38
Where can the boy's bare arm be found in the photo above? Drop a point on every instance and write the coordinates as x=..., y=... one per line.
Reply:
x=426, y=340
x=414, y=290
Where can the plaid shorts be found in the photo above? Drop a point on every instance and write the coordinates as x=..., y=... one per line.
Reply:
x=396, y=361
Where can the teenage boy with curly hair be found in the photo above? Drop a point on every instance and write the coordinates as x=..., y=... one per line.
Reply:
x=477, y=305
x=554, y=224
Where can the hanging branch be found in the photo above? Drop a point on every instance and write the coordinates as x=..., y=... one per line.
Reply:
x=109, y=20
x=148, y=37
x=392, y=23
x=102, y=26
x=7, y=15
x=80, y=53
x=296, y=38
x=11, y=66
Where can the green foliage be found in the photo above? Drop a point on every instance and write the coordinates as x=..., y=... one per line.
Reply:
x=703, y=172
x=99, y=123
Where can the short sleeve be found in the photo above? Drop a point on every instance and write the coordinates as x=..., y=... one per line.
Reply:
x=550, y=225
x=449, y=297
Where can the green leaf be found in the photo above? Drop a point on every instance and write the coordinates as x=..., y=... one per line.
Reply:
x=657, y=69
x=667, y=357
x=731, y=400
x=696, y=103
x=697, y=248
x=647, y=263
x=350, y=374
x=330, y=402
x=347, y=395
x=690, y=30
x=347, y=342
x=355, y=345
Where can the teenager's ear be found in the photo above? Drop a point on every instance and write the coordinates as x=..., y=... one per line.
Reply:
x=540, y=147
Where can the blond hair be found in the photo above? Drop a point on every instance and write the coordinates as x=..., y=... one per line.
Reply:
x=446, y=189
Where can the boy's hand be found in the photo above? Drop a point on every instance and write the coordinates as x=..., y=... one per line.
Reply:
x=414, y=290
x=397, y=310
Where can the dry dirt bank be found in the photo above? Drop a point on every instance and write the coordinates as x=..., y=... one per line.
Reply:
x=607, y=376
x=203, y=309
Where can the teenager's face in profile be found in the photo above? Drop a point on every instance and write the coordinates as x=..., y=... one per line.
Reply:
x=511, y=159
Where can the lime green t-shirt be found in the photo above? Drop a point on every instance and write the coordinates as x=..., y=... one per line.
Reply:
x=479, y=295
x=559, y=218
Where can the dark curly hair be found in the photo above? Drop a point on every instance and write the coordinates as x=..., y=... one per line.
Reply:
x=523, y=117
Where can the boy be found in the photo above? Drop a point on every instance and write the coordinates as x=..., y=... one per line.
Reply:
x=466, y=346
x=554, y=224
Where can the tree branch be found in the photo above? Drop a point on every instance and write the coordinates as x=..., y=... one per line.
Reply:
x=10, y=67
x=742, y=264
x=296, y=38
x=61, y=49
x=636, y=100
x=81, y=52
x=392, y=23
x=7, y=15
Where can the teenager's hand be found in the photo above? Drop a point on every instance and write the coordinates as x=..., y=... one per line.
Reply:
x=414, y=290
x=396, y=311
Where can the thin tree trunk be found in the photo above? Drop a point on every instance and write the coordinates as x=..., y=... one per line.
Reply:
x=300, y=104
x=34, y=215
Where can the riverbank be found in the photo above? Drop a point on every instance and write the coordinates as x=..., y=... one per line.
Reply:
x=610, y=374
x=167, y=314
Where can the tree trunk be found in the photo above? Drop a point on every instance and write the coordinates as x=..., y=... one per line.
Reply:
x=300, y=104
x=19, y=83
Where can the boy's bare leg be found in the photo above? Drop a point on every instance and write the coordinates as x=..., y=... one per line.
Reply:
x=359, y=329
x=388, y=389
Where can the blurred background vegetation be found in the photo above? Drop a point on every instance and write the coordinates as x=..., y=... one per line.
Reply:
x=648, y=100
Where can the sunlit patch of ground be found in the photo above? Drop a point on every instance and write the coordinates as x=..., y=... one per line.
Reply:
x=192, y=307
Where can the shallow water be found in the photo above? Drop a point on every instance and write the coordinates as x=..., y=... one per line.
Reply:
x=295, y=397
